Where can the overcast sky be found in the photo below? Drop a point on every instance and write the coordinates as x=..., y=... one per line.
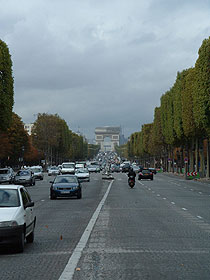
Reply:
x=99, y=62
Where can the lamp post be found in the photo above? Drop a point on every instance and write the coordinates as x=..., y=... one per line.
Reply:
x=23, y=149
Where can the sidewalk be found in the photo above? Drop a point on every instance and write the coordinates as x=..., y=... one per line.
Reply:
x=202, y=180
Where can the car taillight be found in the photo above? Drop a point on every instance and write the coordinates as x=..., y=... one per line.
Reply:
x=150, y=173
x=140, y=173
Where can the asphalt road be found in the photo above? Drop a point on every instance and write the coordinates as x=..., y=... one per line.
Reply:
x=158, y=230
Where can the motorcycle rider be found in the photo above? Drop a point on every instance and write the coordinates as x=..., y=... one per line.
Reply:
x=131, y=173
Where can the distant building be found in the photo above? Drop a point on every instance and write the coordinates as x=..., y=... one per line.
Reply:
x=108, y=137
x=28, y=127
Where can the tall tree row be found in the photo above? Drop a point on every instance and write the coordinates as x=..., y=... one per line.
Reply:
x=6, y=87
x=52, y=136
x=181, y=127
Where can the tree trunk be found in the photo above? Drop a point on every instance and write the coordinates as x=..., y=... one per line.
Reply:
x=192, y=167
x=207, y=152
x=196, y=155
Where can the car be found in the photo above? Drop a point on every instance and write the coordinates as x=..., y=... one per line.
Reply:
x=83, y=174
x=38, y=173
x=145, y=174
x=17, y=219
x=24, y=177
x=6, y=175
x=153, y=170
x=53, y=170
x=93, y=168
x=115, y=168
x=65, y=186
x=68, y=168
x=136, y=168
x=126, y=167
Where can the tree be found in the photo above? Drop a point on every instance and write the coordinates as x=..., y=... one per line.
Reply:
x=6, y=87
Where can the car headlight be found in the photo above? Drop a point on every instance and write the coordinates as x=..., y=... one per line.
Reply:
x=8, y=224
x=75, y=188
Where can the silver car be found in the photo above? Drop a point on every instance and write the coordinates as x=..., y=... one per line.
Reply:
x=7, y=175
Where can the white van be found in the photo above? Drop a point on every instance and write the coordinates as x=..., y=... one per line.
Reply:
x=68, y=168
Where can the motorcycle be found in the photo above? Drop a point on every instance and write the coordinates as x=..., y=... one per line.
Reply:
x=131, y=181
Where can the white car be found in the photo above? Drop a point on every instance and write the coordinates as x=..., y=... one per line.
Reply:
x=68, y=168
x=17, y=220
x=53, y=170
x=37, y=170
x=83, y=174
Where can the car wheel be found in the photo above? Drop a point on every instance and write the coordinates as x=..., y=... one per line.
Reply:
x=20, y=244
x=52, y=196
x=79, y=196
x=30, y=237
x=152, y=178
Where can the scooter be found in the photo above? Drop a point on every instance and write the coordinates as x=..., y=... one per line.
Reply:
x=131, y=181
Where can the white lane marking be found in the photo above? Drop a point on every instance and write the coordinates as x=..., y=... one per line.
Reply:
x=172, y=202
x=191, y=189
x=164, y=198
x=42, y=200
x=158, y=194
x=199, y=217
x=70, y=268
x=200, y=192
x=149, y=189
x=184, y=209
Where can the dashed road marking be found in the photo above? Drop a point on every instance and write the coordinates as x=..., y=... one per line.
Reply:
x=69, y=270
x=172, y=202
x=184, y=209
x=199, y=217
x=164, y=198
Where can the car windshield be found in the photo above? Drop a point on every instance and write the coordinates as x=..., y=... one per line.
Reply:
x=54, y=168
x=82, y=170
x=9, y=198
x=36, y=170
x=23, y=173
x=4, y=171
x=65, y=179
x=68, y=165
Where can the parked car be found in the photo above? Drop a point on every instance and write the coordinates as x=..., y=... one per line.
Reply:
x=24, y=177
x=83, y=174
x=65, y=186
x=17, y=219
x=53, y=170
x=145, y=174
x=38, y=173
x=7, y=175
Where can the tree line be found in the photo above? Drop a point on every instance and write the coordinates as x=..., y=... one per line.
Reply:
x=51, y=141
x=179, y=134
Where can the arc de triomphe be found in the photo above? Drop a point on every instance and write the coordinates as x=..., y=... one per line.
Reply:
x=107, y=131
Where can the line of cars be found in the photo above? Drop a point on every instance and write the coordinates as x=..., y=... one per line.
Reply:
x=26, y=176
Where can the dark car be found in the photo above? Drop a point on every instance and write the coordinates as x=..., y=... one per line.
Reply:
x=126, y=167
x=7, y=175
x=24, y=177
x=115, y=168
x=145, y=174
x=65, y=186
x=153, y=170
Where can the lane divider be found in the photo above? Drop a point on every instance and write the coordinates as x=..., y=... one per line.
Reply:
x=71, y=266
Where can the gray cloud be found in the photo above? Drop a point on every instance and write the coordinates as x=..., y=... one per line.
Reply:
x=99, y=62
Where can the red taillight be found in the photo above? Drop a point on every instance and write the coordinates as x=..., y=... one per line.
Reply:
x=140, y=173
x=151, y=173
